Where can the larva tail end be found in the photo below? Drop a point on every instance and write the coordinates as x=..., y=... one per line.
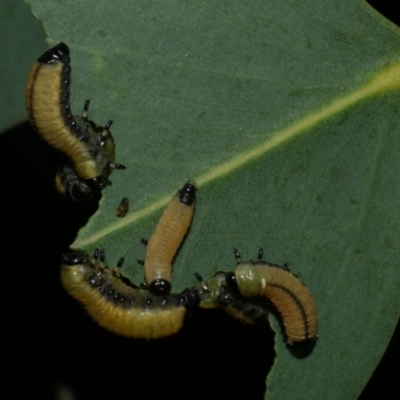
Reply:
x=303, y=348
x=74, y=188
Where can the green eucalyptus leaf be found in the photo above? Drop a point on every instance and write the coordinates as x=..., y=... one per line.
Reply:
x=285, y=114
x=23, y=39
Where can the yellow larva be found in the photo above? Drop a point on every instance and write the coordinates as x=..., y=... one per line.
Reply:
x=89, y=151
x=285, y=292
x=117, y=305
x=167, y=237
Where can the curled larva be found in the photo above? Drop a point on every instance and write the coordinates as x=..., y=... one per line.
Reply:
x=215, y=292
x=120, y=306
x=167, y=237
x=88, y=151
x=284, y=291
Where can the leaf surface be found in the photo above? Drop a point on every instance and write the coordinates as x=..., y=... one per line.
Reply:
x=23, y=40
x=286, y=116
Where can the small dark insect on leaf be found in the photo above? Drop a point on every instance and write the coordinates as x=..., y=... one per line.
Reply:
x=123, y=208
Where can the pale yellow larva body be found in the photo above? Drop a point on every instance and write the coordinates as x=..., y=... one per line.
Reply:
x=119, y=307
x=168, y=236
x=286, y=292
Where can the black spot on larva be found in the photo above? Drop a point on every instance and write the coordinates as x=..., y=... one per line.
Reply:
x=163, y=301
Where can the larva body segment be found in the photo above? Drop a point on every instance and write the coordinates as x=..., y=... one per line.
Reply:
x=119, y=306
x=47, y=104
x=167, y=237
x=285, y=292
x=89, y=151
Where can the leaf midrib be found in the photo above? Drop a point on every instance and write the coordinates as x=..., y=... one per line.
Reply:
x=385, y=80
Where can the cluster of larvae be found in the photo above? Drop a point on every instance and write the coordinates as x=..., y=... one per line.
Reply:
x=149, y=310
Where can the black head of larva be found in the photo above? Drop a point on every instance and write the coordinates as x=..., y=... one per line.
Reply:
x=160, y=287
x=58, y=53
x=74, y=188
x=190, y=298
x=99, y=182
x=79, y=192
x=187, y=195
x=74, y=258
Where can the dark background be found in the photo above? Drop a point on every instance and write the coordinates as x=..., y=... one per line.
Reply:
x=52, y=347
